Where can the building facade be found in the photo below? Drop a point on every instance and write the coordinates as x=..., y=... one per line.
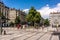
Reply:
x=22, y=16
x=55, y=19
x=11, y=14
x=4, y=10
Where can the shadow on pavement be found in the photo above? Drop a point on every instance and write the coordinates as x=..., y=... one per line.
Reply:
x=9, y=33
x=57, y=34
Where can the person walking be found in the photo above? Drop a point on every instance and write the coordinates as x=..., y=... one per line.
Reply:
x=18, y=26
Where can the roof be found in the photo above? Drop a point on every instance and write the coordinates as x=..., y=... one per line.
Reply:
x=55, y=13
x=1, y=2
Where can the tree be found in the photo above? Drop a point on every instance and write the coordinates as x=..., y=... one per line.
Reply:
x=37, y=17
x=17, y=20
x=46, y=22
x=11, y=24
x=33, y=16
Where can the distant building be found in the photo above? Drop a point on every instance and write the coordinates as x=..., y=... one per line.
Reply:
x=54, y=18
x=22, y=16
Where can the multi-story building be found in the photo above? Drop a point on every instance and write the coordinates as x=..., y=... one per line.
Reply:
x=4, y=10
x=55, y=18
x=11, y=14
x=22, y=15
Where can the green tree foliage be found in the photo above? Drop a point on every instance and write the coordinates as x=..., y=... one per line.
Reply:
x=11, y=24
x=33, y=16
x=37, y=17
x=46, y=22
x=17, y=20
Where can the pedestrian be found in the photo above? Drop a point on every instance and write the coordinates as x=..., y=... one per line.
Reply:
x=4, y=32
x=1, y=31
x=42, y=27
x=18, y=26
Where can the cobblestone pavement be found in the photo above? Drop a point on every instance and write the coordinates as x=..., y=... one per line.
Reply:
x=32, y=34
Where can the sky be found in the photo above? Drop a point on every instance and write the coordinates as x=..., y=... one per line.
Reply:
x=45, y=7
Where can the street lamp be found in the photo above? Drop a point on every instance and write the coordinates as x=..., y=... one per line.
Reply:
x=1, y=25
x=2, y=18
x=57, y=25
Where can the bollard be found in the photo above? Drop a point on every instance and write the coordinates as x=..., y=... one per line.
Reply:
x=4, y=32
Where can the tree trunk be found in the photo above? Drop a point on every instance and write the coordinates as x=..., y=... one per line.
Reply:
x=32, y=23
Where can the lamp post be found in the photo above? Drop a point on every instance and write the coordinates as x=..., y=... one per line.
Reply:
x=2, y=18
x=57, y=25
x=1, y=25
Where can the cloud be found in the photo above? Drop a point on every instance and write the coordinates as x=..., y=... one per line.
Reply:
x=46, y=10
x=26, y=10
x=57, y=8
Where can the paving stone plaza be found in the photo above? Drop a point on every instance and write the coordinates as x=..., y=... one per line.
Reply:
x=29, y=34
x=29, y=20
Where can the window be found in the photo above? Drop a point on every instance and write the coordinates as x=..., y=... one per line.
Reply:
x=0, y=9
